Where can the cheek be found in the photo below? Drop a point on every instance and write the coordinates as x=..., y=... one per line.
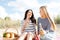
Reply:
x=29, y=15
x=41, y=13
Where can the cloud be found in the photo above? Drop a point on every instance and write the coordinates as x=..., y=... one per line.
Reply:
x=12, y=3
x=3, y=13
x=53, y=8
x=21, y=5
x=53, y=5
x=15, y=16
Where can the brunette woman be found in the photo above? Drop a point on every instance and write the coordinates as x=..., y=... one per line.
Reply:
x=28, y=25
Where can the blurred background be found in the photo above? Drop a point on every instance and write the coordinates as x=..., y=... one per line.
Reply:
x=12, y=12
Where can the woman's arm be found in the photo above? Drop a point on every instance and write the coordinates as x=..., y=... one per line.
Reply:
x=25, y=24
x=22, y=26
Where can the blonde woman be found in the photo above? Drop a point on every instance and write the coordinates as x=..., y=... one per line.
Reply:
x=46, y=26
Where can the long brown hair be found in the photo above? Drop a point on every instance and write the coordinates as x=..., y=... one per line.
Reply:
x=49, y=18
x=32, y=17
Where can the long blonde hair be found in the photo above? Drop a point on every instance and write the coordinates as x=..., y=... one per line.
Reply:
x=49, y=18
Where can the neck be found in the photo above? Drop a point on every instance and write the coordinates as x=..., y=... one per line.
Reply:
x=43, y=17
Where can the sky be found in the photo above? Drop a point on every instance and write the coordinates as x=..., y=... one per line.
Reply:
x=15, y=9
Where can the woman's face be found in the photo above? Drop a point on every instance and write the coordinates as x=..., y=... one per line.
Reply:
x=29, y=14
x=42, y=12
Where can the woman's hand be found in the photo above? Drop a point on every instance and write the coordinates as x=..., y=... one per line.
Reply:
x=26, y=22
x=42, y=32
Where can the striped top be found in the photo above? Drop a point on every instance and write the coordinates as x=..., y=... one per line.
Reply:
x=30, y=28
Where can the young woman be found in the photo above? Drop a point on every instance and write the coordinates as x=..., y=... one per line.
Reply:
x=46, y=26
x=28, y=25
